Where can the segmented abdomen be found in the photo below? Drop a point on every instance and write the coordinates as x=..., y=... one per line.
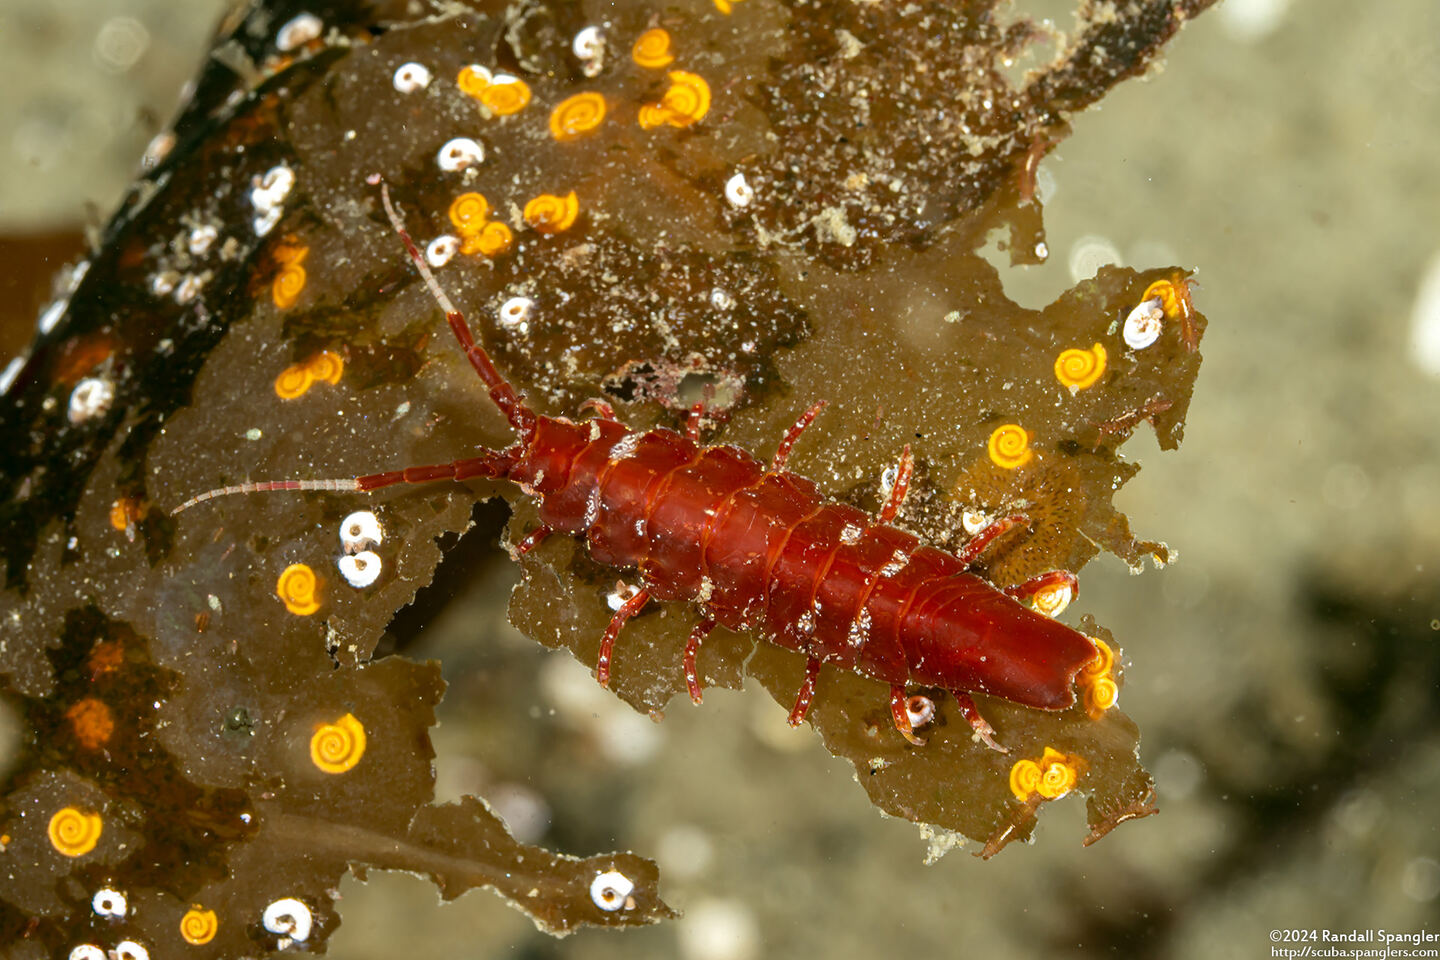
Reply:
x=767, y=550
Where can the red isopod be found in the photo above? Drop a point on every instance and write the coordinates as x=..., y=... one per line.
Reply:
x=757, y=547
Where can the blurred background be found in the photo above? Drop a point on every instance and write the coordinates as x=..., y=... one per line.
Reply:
x=1284, y=672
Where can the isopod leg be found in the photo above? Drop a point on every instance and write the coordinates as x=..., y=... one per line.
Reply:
x=602, y=409
x=807, y=692
x=902, y=715
x=898, y=488
x=627, y=610
x=532, y=540
x=971, y=551
x=692, y=646
x=1050, y=592
x=979, y=724
x=692, y=422
x=787, y=443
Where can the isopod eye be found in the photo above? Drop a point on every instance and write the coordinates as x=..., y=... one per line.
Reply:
x=611, y=890
x=360, y=530
x=289, y=918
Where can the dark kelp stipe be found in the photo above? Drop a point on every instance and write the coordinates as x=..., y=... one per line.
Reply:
x=208, y=733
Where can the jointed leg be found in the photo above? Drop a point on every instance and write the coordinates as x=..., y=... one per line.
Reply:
x=1050, y=593
x=901, y=715
x=982, y=728
x=532, y=540
x=807, y=692
x=787, y=443
x=971, y=551
x=602, y=408
x=692, y=646
x=607, y=643
x=901, y=484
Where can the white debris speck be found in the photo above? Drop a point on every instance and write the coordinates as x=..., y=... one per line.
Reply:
x=441, y=250
x=850, y=534
x=201, y=239
x=298, y=31
x=90, y=398
x=459, y=154
x=738, y=191
x=1142, y=326
x=254, y=433
x=410, y=77
x=611, y=891
x=272, y=189
x=360, y=569
x=265, y=222
x=188, y=288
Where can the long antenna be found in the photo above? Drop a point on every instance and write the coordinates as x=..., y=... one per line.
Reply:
x=521, y=417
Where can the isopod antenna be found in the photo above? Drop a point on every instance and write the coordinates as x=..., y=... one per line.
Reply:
x=521, y=417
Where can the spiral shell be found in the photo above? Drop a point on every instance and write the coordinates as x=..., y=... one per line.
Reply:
x=73, y=832
x=458, y=154
x=297, y=587
x=410, y=77
x=576, y=116
x=441, y=250
x=1009, y=446
x=326, y=365
x=610, y=891
x=1024, y=779
x=1142, y=326
x=506, y=95
x=288, y=917
x=110, y=903
x=1100, y=695
x=360, y=569
x=1050, y=778
x=652, y=49
x=1174, y=298
x=468, y=212
x=199, y=925
x=494, y=240
x=337, y=747
x=288, y=284
x=293, y=381
x=920, y=709
x=1078, y=369
x=1103, y=662
x=473, y=80
x=1058, y=775
x=548, y=213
